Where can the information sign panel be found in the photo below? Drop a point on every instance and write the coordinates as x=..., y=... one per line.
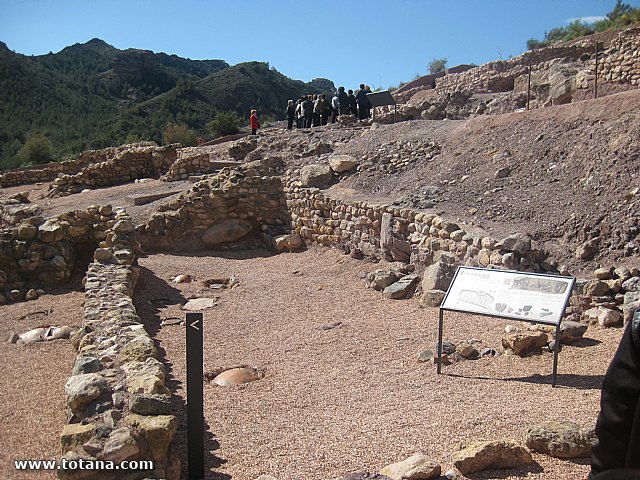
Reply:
x=528, y=297
x=524, y=296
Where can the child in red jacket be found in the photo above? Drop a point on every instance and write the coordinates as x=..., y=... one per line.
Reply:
x=253, y=121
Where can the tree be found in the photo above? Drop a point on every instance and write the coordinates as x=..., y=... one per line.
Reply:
x=224, y=123
x=179, y=133
x=36, y=150
x=437, y=65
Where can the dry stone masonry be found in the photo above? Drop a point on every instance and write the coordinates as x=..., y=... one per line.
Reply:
x=118, y=405
x=126, y=165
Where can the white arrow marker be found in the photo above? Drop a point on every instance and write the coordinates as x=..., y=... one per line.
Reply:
x=193, y=324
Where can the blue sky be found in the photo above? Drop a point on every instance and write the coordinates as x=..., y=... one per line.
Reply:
x=376, y=42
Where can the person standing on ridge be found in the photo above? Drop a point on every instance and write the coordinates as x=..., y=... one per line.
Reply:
x=343, y=101
x=291, y=114
x=335, y=107
x=253, y=122
x=353, y=105
x=364, y=105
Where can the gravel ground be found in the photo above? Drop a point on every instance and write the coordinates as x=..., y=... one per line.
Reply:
x=352, y=397
x=32, y=399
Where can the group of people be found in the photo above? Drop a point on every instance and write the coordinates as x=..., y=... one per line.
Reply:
x=316, y=110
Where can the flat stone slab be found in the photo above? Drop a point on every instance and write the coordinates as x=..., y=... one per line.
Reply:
x=144, y=198
x=199, y=304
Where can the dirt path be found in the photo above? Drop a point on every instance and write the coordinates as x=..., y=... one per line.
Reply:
x=352, y=397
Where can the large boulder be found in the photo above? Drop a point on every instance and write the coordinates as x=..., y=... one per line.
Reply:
x=381, y=279
x=403, y=288
x=479, y=456
x=518, y=243
x=560, y=439
x=288, y=242
x=316, y=176
x=631, y=305
x=437, y=276
x=229, y=230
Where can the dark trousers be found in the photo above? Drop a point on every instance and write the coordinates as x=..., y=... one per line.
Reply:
x=290, y=123
x=254, y=131
x=307, y=121
x=334, y=115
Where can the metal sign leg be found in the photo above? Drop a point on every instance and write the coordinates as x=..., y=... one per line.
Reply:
x=440, y=322
x=556, y=349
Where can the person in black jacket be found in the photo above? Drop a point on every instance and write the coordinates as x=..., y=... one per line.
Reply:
x=618, y=425
x=353, y=105
x=364, y=105
x=343, y=100
x=291, y=114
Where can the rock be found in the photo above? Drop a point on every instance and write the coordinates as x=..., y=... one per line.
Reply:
x=365, y=476
x=632, y=284
x=196, y=304
x=137, y=351
x=437, y=277
x=120, y=446
x=124, y=226
x=630, y=306
x=157, y=430
x=595, y=288
x=525, y=341
x=316, y=175
x=85, y=365
x=50, y=232
x=448, y=348
x=103, y=255
x=150, y=404
x=571, y=332
x=183, y=278
x=265, y=477
x=518, y=243
x=82, y=389
x=289, y=242
x=403, y=288
x=426, y=356
x=229, y=230
x=342, y=163
x=416, y=467
x=237, y=376
x=503, y=172
x=432, y=298
x=466, y=350
x=31, y=294
x=74, y=435
x=560, y=439
x=588, y=249
x=602, y=316
x=622, y=272
x=381, y=279
x=602, y=273
x=479, y=456
x=145, y=377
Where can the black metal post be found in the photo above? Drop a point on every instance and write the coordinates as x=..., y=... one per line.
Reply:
x=556, y=349
x=440, y=324
x=195, y=397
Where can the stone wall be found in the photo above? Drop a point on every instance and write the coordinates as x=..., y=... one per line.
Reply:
x=194, y=162
x=49, y=171
x=402, y=234
x=137, y=161
x=38, y=253
x=118, y=405
x=622, y=62
x=244, y=200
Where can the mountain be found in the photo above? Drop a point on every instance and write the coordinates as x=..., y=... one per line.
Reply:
x=194, y=102
x=93, y=95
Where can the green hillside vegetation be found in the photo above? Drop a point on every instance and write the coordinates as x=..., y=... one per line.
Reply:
x=72, y=96
x=622, y=15
x=94, y=95
x=195, y=103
